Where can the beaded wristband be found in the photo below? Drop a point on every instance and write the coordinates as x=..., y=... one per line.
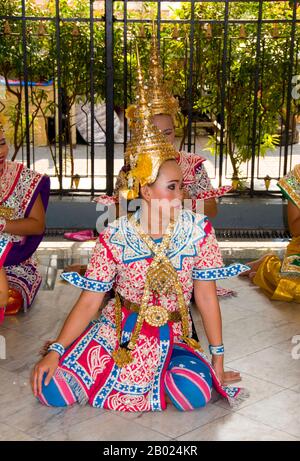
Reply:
x=2, y=224
x=216, y=350
x=56, y=347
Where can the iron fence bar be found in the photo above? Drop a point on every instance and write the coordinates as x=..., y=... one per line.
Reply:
x=256, y=87
x=190, y=80
x=25, y=67
x=165, y=21
x=293, y=125
x=125, y=71
x=289, y=88
x=208, y=21
x=109, y=84
x=59, y=97
x=92, y=89
x=223, y=92
x=192, y=21
x=158, y=23
x=48, y=18
x=204, y=1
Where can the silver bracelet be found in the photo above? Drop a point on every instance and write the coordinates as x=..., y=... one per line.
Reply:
x=216, y=350
x=56, y=347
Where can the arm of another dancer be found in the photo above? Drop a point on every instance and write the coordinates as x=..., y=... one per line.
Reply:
x=293, y=219
x=33, y=225
x=3, y=288
x=79, y=318
x=210, y=207
x=208, y=305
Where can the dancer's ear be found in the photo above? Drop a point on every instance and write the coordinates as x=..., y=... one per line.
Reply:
x=146, y=193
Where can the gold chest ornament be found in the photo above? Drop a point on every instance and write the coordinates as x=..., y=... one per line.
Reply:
x=161, y=278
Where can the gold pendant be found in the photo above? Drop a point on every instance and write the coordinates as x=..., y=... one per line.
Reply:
x=161, y=278
x=122, y=357
x=156, y=316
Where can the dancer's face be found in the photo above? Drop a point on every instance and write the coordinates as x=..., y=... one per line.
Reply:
x=3, y=150
x=165, y=124
x=166, y=194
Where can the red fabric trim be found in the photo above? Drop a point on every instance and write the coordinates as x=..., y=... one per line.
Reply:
x=20, y=168
x=103, y=242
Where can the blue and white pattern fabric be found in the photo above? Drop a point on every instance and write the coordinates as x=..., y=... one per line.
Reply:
x=85, y=283
x=219, y=273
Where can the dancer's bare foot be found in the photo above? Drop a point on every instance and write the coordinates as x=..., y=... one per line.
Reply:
x=168, y=400
x=252, y=275
x=254, y=265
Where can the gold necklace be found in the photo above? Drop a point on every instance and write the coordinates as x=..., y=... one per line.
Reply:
x=162, y=278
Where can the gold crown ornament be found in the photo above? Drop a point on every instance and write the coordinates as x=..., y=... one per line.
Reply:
x=162, y=100
x=148, y=148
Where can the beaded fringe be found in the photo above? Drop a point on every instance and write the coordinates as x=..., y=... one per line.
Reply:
x=226, y=293
x=235, y=402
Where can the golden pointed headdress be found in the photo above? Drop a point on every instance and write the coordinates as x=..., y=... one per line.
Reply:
x=162, y=101
x=148, y=148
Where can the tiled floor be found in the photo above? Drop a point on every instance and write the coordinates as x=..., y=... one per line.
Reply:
x=258, y=339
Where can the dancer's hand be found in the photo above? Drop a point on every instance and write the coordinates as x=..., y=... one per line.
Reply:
x=225, y=377
x=48, y=366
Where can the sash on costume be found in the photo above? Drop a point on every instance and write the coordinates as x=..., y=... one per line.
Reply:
x=290, y=188
x=290, y=185
x=291, y=263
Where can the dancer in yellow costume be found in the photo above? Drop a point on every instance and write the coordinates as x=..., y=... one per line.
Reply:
x=280, y=280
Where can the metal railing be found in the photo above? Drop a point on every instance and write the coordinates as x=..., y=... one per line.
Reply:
x=104, y=41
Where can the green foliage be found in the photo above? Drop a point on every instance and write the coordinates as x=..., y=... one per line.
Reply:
x=241, y=65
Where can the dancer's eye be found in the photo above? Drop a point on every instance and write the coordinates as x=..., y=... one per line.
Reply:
x=171, y=187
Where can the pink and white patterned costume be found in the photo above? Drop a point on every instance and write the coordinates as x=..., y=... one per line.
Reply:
x=196, y=181
x=19, y=190
x=120, y=261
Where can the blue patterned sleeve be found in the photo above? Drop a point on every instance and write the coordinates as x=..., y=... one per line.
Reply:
x=209, y=263
x=101, y=271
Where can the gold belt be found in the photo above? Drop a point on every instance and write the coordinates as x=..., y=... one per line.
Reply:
x=6, y=212
x=156, y=316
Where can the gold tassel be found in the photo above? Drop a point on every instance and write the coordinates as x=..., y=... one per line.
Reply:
x=122, y=357
x=7, y=29
x=243, y=33
x=75, y=31
x=41, y=29
x=191, y=342
x=208, y=32
x=175, y=33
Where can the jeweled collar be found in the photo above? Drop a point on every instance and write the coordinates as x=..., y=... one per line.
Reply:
x=188, y=230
